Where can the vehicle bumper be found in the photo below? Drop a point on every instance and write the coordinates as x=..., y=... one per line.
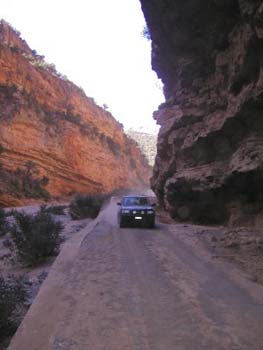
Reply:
x=144, y=220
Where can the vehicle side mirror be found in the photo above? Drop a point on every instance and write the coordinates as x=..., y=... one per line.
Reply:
x=118, y=203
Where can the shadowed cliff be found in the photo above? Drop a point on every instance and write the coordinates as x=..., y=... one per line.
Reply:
x=210, y=146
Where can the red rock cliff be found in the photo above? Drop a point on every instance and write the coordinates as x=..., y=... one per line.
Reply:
x=54, y=139
x=209, y=55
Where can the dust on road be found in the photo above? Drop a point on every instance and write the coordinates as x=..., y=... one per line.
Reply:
x=143, y=289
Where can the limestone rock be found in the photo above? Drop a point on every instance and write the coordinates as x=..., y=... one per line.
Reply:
x=210, y=145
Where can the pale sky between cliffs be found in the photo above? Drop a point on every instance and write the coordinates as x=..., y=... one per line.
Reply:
x=98, y=45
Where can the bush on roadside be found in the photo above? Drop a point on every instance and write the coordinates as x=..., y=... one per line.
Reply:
x=86, y=206
x=3, y=223
x=35, y=238
x=12, y=296
x=55, y=209
x=11, y=212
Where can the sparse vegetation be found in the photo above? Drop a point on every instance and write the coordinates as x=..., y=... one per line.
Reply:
x=8, y=90
x=73, y=118
x=63, y=77
x=113, y=146
x=9, y=101
x=55, y=209
x=105, y=107
x=3, y=223
x=25, y=182
x=5, y=23
x=12, y=296
x=44, y=65
x=86, y=206
x=38, y=61
x=146, y=33
x=35, y=238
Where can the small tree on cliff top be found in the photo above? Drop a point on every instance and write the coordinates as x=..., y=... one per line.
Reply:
x=146, y=33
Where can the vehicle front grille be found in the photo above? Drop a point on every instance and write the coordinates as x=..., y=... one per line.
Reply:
x=141, y=212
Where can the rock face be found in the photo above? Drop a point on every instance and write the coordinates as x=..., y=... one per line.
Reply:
x=147, y=143
x=54, y=140
x=209, y=56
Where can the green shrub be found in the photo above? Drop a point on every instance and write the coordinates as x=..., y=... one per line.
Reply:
x=35, y=238
x=12, y=296
x=146, y=33
x=8, y=91
x=40, y=63
x=86, y=206
x=11, y=212
x=3, y=223
x=55, y=209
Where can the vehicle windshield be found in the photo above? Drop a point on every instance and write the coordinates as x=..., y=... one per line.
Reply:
x=130, y=201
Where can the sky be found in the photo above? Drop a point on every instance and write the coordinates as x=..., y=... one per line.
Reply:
x=98, y=45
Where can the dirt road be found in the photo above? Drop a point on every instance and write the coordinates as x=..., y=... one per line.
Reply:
x=140, y=289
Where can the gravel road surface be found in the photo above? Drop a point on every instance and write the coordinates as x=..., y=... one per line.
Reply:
x=142, y=289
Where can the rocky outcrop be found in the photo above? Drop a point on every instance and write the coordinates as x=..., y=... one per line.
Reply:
x=210, y=147
x=54, y=140
x=147, y=143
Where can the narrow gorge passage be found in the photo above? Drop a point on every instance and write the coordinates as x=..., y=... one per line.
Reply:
x=142, y=289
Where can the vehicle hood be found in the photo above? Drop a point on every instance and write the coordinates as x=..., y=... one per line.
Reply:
x=137, y=207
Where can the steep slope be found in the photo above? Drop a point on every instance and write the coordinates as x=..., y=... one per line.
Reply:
x=210, y=146
x=146, y=142
x=54, y=140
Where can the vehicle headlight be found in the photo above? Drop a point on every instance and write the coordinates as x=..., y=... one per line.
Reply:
x=125, y=211
x=150, y=212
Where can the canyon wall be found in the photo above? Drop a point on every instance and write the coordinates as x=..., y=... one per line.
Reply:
x=209, y=55
x=54, y=140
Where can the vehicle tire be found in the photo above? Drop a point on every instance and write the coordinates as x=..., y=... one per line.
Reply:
x=122, y=224
x=151, y=224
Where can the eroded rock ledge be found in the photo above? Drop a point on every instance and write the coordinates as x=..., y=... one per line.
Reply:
x=210, y=146
x=51, y=131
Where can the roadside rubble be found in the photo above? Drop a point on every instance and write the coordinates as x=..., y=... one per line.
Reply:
x=240, y=237
x=246, y=247
x=242, y=246
x=31, y=277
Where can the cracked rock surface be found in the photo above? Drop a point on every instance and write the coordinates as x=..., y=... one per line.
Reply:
x=210, y=145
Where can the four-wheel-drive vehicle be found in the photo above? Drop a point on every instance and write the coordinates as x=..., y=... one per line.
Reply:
x=136, y=209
